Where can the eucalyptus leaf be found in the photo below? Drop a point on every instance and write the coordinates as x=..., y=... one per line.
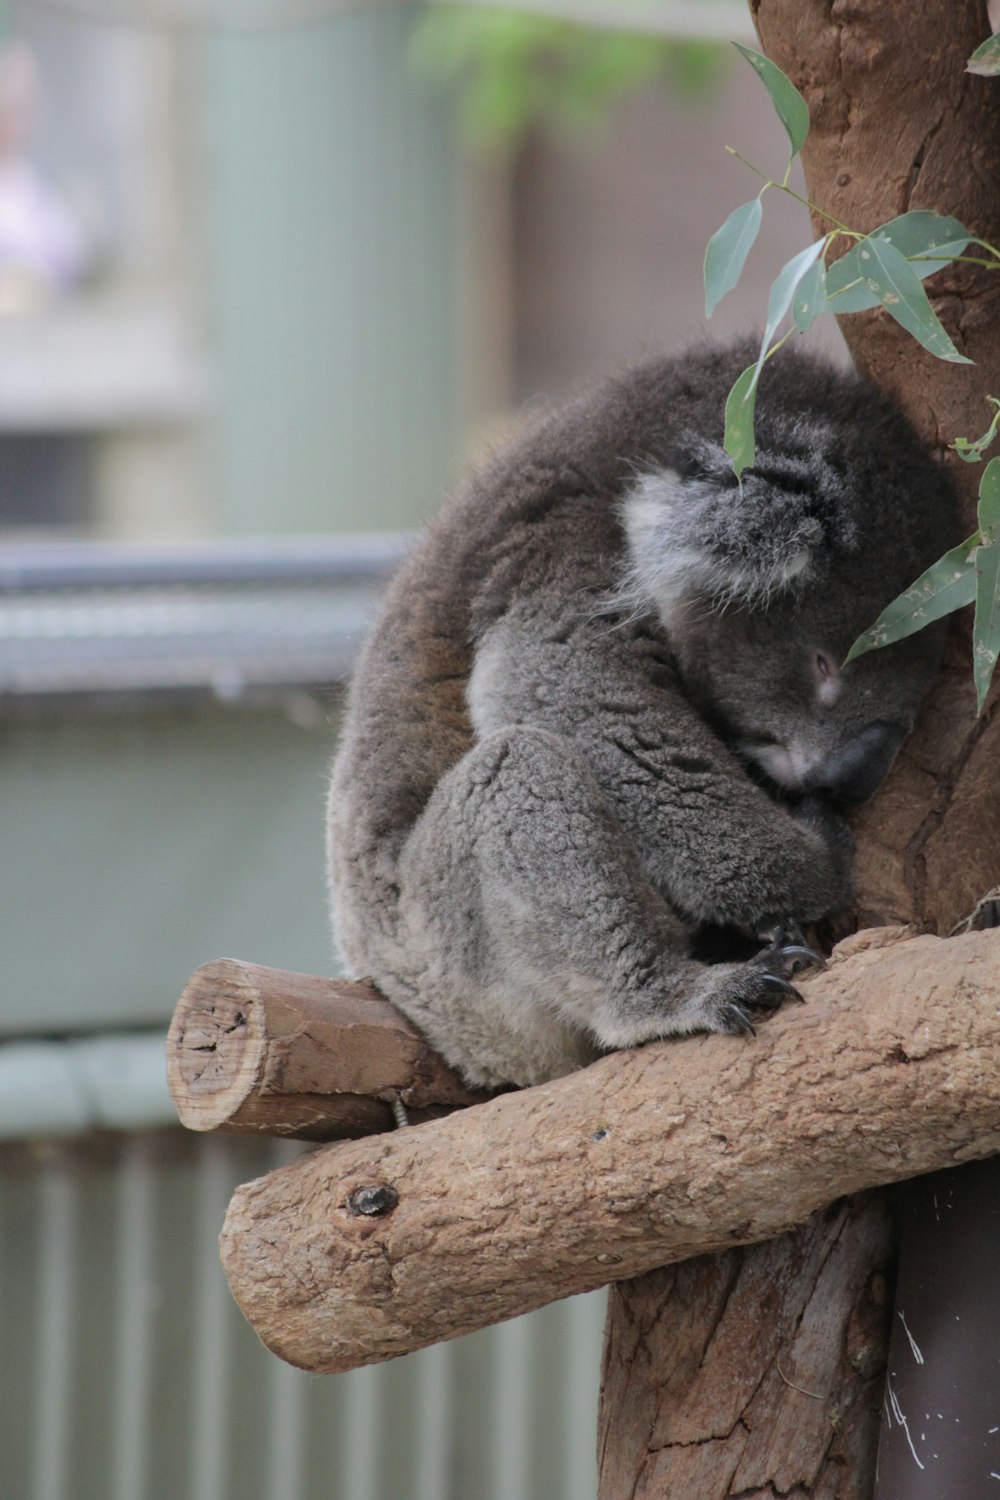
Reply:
x=989, y=503
x=917, y=233
x=986, y=58
x=792, y=110
x=727, y=250
x=921, y=230
x=948, y=584
x=739, y=434
x=782, y=293
x=889, y=274
x=986, y=628
x=810, y=296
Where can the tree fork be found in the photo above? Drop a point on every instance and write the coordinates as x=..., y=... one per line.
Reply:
x=896, y=124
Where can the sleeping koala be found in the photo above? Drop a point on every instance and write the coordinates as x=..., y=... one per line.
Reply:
x=603, y=712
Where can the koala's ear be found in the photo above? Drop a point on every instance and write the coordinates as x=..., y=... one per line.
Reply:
x=705, y=542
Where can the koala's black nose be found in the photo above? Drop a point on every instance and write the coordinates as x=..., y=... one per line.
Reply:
x=854, y=772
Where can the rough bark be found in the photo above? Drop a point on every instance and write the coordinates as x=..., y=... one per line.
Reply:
x=643, y=1159
x=264, y=1051
x=896, y=124
x=730, y=1374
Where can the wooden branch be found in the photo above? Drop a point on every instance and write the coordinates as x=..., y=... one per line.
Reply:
x=645, y=1158
x=266, y=1052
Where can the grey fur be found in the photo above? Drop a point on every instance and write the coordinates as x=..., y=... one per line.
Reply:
x=591, y=719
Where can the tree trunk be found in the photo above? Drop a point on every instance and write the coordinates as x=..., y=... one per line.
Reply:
x=896, y=124
x=719, y=1368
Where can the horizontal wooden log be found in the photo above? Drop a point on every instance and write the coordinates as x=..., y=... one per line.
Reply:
x=263, y=1051
x=365, y=1250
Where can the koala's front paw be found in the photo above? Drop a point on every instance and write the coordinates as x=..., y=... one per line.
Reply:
x=762, y=983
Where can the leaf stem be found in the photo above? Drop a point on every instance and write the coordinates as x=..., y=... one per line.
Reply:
x=964, y=260
x=806, y=202
x=779, y=342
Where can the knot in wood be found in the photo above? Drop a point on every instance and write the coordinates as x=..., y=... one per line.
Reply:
x=373, y=1201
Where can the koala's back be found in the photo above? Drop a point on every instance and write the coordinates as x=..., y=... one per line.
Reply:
x=546, y=502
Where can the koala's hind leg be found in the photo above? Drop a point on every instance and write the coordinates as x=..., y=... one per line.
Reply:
x=534, y=934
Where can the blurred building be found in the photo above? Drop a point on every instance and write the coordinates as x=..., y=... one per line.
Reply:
x=257, y=308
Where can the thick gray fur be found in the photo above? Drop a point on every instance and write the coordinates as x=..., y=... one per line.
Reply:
x=602, y=708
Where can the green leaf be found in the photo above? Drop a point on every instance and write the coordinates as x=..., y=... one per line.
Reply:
x=792, y=109
x=986, y=629
x=890, y=275
x=727, y=250
x=948, y=584
x=989, y=503
x=739, y=435
x=914, y=234
x=986, y=58
x=810, y=296
x=782, y=292
x=921, y=231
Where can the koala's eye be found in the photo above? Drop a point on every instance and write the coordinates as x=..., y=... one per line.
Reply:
x=827, y=677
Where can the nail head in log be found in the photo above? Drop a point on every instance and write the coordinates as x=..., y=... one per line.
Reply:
x=264, y=1051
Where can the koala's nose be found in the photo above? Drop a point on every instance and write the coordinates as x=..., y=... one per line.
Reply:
x=854, y=772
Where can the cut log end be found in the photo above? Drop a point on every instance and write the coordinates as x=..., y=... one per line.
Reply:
x=265, y=1051
x=215, y=1045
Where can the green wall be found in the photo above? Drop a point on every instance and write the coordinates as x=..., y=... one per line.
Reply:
x=140, y=845
x=330, y=225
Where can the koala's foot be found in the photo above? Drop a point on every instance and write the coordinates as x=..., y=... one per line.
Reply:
x=763, y=982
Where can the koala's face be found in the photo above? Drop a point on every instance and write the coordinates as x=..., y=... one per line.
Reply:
x=765, y=585
x=773, y=684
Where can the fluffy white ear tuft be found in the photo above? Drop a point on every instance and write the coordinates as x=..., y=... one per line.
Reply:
x=695, y=542
x=664, y=569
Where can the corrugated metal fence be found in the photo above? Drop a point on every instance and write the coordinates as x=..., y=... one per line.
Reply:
x=128, y=1374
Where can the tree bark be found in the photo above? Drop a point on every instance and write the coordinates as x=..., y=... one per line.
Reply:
x=720, y=1370
x=645, y=1158
x=264, y=1051
x=896, y=124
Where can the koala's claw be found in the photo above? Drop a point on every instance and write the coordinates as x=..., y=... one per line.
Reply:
x=778, y=983
x=736, y=1020
x=799, y=950
x=787, y=951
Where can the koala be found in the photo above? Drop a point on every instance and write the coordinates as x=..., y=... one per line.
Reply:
x=603, y=713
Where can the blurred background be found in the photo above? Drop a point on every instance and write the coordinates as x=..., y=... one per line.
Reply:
x=272, y=274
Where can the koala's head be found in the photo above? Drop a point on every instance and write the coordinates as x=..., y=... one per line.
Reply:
x=764, y=590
